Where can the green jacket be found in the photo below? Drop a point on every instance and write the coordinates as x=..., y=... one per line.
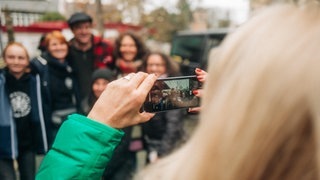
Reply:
x=81, y=150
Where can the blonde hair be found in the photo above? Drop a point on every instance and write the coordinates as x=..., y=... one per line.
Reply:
x=261, y=104
x=15, y=44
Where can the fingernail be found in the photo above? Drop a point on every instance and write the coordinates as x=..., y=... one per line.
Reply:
x=195, y=92
x=198, y=70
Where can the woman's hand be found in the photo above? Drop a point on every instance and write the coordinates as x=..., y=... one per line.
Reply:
x=201, y=76
x=119, y=104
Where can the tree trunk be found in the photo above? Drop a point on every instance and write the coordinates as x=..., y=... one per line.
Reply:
x=99, y=14
x=9, y=25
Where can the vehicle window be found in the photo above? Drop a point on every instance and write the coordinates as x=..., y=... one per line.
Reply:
x=188, y=47
x=191, y=50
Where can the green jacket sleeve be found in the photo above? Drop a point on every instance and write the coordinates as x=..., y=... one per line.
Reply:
x=81, y=150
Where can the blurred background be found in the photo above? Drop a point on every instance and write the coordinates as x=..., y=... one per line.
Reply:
x=157, y=21
x=187, y=30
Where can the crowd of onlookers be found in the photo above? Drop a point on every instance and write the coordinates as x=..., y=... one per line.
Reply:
x=66, y=78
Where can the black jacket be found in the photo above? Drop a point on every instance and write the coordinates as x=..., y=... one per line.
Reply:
x=8, y=134
x=58, y=84
x=163, y=132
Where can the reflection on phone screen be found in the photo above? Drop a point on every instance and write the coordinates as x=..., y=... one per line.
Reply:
x=167, y=94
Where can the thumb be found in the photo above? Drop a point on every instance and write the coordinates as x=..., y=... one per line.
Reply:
x=145, y=116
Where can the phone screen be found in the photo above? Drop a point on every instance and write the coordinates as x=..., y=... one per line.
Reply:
x=172, y=93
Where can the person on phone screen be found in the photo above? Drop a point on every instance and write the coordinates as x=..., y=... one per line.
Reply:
x=157, y=99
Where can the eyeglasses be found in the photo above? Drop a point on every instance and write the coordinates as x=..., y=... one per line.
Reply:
x=156, y=65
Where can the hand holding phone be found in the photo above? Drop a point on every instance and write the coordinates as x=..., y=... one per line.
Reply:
x=201, y=76
x=172, y=93
x=124, y=98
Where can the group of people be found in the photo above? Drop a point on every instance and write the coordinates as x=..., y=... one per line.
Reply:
x=38, y=94
x=259, y=117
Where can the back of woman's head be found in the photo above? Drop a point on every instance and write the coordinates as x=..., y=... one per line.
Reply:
x=261, y=104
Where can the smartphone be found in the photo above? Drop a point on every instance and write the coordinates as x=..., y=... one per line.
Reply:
x=172, y=93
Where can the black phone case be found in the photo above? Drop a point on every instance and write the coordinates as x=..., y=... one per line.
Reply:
x=172, y=93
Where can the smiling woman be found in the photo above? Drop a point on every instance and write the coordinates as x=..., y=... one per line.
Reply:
x=57, y=45
x=129, y=51
x=58, y=79
x=16, y=59
x=22, y=127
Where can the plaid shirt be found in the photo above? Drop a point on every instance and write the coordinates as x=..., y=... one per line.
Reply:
x=102, y=50
x=85, y=62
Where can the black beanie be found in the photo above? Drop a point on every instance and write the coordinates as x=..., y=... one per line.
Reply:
x=104, y=73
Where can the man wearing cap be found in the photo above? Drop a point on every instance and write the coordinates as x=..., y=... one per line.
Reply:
x=88, y=52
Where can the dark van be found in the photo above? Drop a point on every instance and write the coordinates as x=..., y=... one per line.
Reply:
x=191, y=49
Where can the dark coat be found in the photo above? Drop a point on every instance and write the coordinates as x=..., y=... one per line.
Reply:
x=163, y=132
x=54, y=74
x=8, y=134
